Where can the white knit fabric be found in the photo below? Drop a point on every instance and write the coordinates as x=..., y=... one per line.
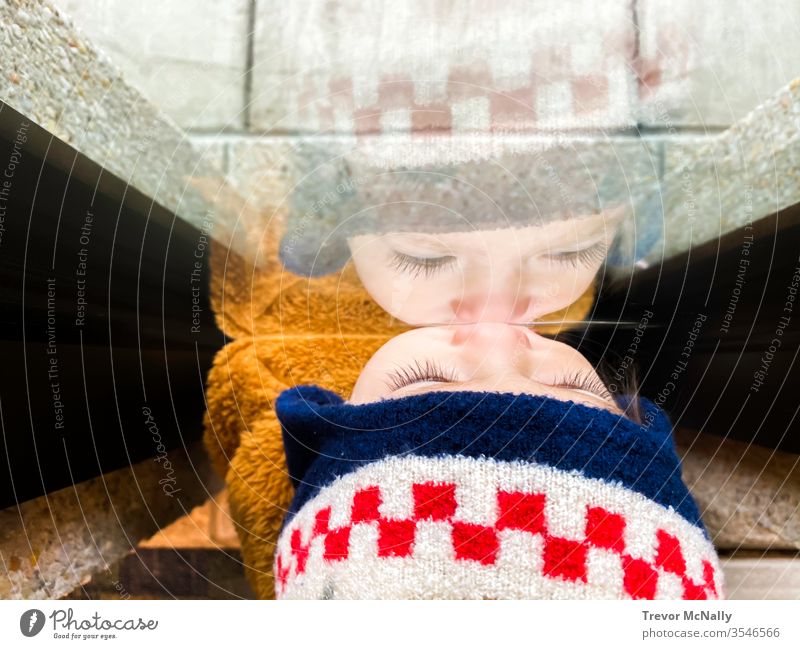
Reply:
x=431, y=567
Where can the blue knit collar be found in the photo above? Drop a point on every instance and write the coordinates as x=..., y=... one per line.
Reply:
x=325, y=438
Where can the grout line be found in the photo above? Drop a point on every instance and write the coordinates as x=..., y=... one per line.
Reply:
x=226, y=157
x=248, y=64
x=642, y=131
x=636, y=31
x=699, y=129
x=636, y=64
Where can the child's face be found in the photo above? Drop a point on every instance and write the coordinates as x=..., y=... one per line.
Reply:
x=511, y=275
x=486, y=357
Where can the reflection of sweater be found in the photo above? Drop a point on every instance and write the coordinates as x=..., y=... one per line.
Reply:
x=474, y=495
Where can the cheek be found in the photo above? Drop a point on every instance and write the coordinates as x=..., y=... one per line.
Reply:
x=376, y=272
x=369, y=386
x=433, y=292
x=554, y=283
x=376, y=279
x=369, y=262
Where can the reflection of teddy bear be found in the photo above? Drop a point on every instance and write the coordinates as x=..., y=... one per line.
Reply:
x=286, y=330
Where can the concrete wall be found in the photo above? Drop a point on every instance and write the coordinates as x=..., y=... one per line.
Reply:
x=188, y=58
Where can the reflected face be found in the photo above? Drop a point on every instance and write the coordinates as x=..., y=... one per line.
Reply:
x=511, y=275
x=488, y=357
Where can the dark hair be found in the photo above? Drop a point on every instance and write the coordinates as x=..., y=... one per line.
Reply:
x=623, y=385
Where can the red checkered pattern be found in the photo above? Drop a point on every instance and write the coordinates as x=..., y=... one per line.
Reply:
x=511, y=110
x=512, y=67
x=563, y=558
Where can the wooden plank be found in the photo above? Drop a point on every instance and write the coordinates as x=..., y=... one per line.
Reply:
x=765, y=577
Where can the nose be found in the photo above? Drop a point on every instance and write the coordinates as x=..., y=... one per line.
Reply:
x=494, y=347
x=491, y=307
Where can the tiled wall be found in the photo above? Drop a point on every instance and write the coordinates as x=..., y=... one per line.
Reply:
x=248, y=78
x=233, y=71
x=242, y=65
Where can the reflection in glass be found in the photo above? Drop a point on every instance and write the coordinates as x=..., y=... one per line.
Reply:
x=505, y=239
x=504, y=275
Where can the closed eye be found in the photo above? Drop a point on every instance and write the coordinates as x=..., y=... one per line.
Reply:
x=420, y=266
x=420, y=372
x=429, y=371
x=586, y=382
x=589, y=256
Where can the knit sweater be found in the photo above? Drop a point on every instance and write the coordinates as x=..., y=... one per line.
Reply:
x=476, y=495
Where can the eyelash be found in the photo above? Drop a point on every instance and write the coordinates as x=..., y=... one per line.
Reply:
x=586, y=257
x=416, y=266
x=429, y=266
x=418, y=373
x=587, y=381
x=430, y=371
